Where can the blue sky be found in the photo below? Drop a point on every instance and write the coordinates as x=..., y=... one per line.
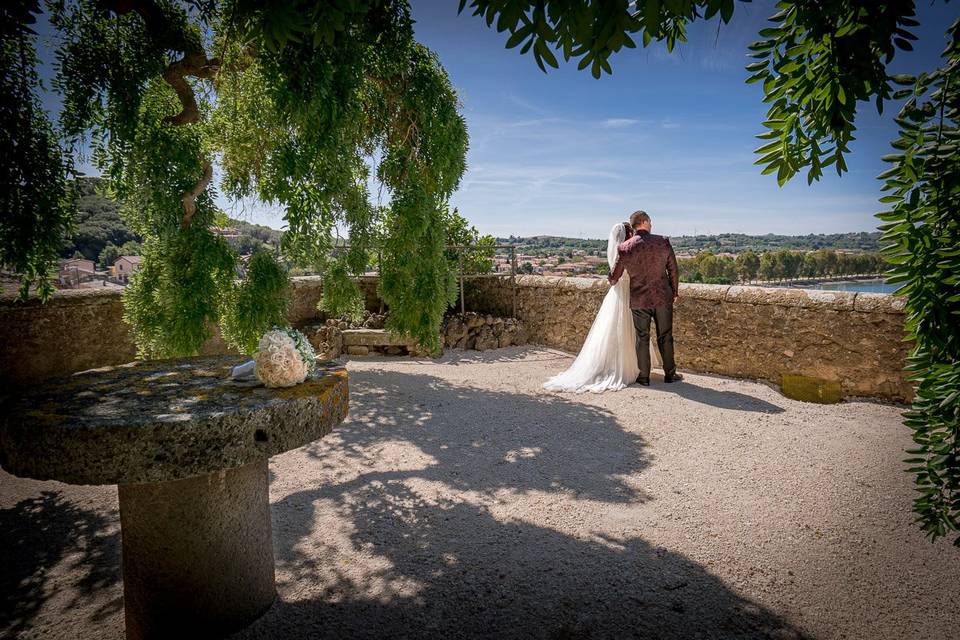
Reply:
x=565, y=154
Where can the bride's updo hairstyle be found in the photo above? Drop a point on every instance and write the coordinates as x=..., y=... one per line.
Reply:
x=627, y=230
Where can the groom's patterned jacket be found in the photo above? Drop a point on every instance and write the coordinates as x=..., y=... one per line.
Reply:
x=652, y=265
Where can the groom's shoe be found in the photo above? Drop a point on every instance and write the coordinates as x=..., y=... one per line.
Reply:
x=676, y=377
x=643, y=382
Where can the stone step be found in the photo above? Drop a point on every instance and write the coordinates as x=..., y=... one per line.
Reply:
x=374, y=338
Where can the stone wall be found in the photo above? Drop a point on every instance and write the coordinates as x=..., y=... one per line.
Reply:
x=84, y=328
x=752, y=332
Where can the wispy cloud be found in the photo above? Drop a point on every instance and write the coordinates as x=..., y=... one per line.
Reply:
x=618, y=123
x=525, y=104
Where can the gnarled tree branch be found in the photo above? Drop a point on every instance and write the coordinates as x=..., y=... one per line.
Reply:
x=193, y=63
x=189, y=199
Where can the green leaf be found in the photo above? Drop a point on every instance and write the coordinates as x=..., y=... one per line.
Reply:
x=517, y=37
x=726, y=10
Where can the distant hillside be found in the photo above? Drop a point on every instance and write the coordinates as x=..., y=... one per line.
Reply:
x=98, y=226
x=723, y=243
x=246, y=237
x=97, y=223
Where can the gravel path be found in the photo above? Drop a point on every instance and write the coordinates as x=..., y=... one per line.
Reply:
x=460, y=501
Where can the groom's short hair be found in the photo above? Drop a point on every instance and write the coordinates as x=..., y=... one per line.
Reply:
x=638, y=218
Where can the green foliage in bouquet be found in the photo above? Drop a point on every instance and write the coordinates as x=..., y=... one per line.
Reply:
x=302, y=343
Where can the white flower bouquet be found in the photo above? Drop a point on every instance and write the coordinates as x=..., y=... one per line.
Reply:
x=284, y=357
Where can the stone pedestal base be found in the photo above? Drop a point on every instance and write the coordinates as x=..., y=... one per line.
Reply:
x=197, y=554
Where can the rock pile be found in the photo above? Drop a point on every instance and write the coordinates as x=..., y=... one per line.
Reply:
x=482, y=332
x=327, y=339
x=471, y=331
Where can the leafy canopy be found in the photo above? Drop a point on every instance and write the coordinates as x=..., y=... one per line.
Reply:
x=35, y=203
x=293, y=101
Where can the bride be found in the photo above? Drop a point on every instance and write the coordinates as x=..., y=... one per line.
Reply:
x=608, y=359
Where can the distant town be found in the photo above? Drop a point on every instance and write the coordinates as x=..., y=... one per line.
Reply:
x=719, y=259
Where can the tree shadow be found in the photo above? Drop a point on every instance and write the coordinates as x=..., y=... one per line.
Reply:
x=412, y=561
x=483, y=441
x=41, y=532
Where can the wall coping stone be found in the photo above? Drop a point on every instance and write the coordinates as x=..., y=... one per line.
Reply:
x=803, y=298
x=64, y=297
x=717, y=292
x=781, y=296
x=880, y=303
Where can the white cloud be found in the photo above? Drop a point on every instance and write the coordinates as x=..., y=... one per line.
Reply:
x=617, y=123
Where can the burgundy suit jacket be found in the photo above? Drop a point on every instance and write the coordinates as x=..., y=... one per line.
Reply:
x=652, y=265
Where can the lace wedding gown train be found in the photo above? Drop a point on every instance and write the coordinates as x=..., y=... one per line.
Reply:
x=608, y=359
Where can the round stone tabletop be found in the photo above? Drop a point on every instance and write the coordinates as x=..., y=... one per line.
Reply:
x=162, y=420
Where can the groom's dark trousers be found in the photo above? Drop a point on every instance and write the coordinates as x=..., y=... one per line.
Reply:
x=663, y=317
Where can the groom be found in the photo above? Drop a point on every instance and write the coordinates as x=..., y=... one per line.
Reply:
x=654, y=287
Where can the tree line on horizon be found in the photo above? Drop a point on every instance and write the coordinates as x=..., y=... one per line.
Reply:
x=721, y=243
x=781, y=265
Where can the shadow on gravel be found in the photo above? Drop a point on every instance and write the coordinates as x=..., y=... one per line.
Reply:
x=721, y=399
x=508, y=354
x=39, y=533
x=446, y=567
x=484, y=441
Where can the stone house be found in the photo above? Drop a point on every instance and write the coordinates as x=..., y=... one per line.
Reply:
x=73, y=272
x=124, y=267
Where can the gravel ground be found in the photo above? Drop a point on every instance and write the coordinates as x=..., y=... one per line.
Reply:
x=458, y=500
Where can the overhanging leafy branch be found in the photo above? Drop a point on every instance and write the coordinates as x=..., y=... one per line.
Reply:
x=922, y=230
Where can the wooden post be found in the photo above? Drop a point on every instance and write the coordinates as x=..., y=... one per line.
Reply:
x=463, y=304
x=380, y=275
x=513, y=278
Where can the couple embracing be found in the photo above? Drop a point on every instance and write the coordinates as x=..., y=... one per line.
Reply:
x=644, y=285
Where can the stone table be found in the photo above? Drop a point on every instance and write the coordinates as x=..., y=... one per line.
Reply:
x=188, y=449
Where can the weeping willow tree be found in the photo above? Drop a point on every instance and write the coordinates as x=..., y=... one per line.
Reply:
x=301, y=104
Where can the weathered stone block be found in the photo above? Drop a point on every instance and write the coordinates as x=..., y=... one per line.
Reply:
x=162, y=420
x=880, y=303
x=374, y=338
x=358, y=350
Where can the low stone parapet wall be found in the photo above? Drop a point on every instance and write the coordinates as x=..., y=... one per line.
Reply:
x=84, y=328
x=750, y=332
x=855, y=339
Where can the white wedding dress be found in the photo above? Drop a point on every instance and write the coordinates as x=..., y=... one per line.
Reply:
x=608, y=359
